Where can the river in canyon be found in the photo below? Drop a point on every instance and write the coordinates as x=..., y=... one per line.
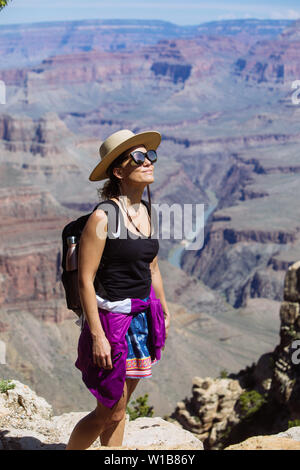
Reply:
x=175, y=253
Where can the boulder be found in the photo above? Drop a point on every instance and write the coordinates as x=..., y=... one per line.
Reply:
x=266, y=443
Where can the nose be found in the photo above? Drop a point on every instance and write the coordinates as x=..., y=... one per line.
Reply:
x=147, y=161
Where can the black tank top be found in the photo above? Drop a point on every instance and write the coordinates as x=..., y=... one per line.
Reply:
x=124, y=270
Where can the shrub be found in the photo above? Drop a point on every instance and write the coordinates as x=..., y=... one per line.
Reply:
x=6, y=385
x=250, y=402
x=3, y=3
x=295, y=422
x=140, y=409
x=223, y=374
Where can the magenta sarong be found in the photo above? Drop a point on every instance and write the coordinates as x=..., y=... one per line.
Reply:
x=107, y=384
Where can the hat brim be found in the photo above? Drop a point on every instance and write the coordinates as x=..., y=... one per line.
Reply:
x=150, y=140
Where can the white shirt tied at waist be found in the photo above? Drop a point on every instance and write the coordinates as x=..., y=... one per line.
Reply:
x=120, y=306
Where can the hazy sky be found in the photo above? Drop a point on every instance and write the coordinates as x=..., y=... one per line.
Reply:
x=176, y=11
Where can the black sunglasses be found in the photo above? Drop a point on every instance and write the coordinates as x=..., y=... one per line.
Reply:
x=139, y=157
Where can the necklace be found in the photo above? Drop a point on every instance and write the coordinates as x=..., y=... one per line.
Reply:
x=130, y=219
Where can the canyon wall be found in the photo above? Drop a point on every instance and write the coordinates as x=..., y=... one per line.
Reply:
x=262, y=398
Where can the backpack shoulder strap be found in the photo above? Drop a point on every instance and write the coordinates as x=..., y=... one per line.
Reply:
x=116, y=206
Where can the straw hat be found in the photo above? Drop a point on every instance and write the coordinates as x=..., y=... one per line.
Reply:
x=118, y=143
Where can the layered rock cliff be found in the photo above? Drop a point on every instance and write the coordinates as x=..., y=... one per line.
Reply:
x=43, y=152
x=170, y=62
x=29, y=44
x=272, y=61
x=253, y=234
x=32, y=221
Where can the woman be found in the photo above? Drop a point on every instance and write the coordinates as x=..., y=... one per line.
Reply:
x=127, y=269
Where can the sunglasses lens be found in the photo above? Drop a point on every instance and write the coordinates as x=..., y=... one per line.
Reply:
x=138, y=157
x=152, y=156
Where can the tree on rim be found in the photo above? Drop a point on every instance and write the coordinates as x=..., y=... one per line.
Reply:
x=3, y=4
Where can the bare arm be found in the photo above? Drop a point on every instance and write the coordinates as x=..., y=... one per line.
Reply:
x=90, y=252
x=157, y=284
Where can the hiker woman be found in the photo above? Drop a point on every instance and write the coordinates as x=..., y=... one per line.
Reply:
x=126, y=318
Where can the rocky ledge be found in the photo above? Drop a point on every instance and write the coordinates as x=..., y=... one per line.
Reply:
x=27, y=423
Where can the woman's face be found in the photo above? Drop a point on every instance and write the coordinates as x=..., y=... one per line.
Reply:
x=131, y=172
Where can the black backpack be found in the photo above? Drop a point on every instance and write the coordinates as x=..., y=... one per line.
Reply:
x=69, y=277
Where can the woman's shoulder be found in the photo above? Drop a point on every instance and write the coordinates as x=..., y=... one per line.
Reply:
x=101, y=210
x=111, y=209
x=109, y=201
x=97, y=215
x=108, y=205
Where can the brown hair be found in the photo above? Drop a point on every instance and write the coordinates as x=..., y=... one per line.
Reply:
x=111, y=187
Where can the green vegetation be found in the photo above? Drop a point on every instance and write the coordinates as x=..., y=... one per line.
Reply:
x=295, y=422
x=223, y=374
x=250, y=402
x=292, y=332
x=6, y=385
x=224, y=435
x=3, y=3
x=140, y=408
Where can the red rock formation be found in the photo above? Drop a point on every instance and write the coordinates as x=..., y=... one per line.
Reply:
x=275, y=61
x=3, y=327
x=42, y=151
x=169, y=59
x=30, y=43
x=30, y=237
